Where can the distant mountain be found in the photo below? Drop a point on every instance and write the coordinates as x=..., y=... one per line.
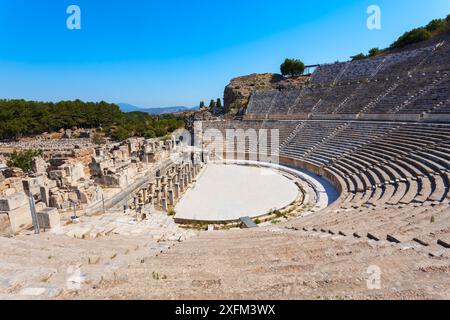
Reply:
x=126, y=107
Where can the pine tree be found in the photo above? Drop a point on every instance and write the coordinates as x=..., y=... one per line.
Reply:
x=212, y=104
x=219, y=104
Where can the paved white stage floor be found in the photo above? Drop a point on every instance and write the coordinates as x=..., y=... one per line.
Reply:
x=228, y=192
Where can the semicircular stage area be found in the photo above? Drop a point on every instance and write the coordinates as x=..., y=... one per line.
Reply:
x=227, y=192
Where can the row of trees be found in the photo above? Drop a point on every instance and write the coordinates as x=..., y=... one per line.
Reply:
x=142, y=124
x=212, y=104
x=22, y=118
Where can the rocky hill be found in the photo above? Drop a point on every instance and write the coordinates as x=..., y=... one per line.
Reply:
x=238, y=91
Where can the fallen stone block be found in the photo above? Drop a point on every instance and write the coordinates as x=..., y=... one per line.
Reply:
x=5, y=225
x=94, y=259
x=79, y=233
x=20, y=219
x=444, y=241
x=374, y=236
x=424, y=240
x=49, y=218
x=396, y=238
x=13, y=202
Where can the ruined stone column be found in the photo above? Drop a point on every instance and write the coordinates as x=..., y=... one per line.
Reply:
x=164, y=190
x=150, y=200
x=158, y=199
x=164, y=204
x=177, y=191
x=144, y=195
x=45, y=195
x=171, y=198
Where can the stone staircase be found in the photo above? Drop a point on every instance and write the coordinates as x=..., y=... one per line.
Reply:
x=67, y=260
x=278, y=263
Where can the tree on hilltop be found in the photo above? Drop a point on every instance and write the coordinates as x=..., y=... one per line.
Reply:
x=292, y=67
x=212, y=104
x=219, y=104
x=374, y=52
x=436, y=25
x=360, y=56
x=413, y=36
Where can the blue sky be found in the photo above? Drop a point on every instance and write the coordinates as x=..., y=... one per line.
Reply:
x=162, y=53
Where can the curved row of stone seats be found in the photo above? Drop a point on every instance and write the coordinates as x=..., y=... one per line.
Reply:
x=270, y=251
x=383, y=166
x=349, y=137
x=402, y=160
x=310, y=135
x=366, y=94
x=385, y=65
x=395, y=179
x=441, y=107
x=380, y=163
x=362, y=69
x=335, y=96
x=327, y=73
x=407, y=93
x=309, y=98
x=261, y=101
x=435, y=100
x=405, y=61
x=407, y=82
x=439, y=59
x=286, y=100
x=401, y=224
x=263, y=131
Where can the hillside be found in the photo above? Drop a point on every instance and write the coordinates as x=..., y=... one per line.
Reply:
x=126, y=107
x=238, y=91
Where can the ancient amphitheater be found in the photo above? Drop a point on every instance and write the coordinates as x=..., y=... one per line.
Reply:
x=368, y=146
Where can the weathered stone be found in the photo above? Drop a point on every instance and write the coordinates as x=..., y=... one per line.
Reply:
x=12, y=202
x=49, y=218
x=20, y=218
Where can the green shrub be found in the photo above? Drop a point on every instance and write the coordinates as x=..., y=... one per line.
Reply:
x=23, y=159
x=98, y=139
x=411, y=37
x=120, y=134
x=360, y=56
x=436, y=25
x=374, y=52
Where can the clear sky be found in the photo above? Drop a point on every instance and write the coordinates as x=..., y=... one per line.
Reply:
x=154, y=53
